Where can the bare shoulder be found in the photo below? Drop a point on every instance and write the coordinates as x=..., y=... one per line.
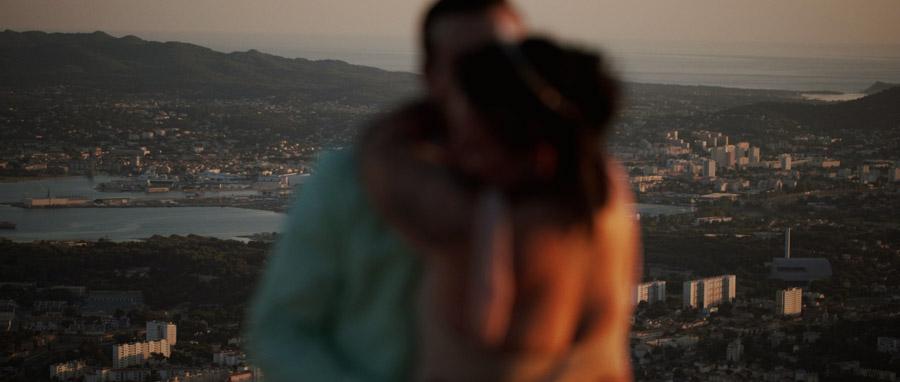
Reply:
x=616, y=241
x=616, y=223
x=615, y=268
x=616, y=228
x=621, y=198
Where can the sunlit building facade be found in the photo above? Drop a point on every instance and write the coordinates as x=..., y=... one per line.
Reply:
x=708, y=292
x=135, y=354
x=789, y=301
x=650, y=292
x=158, y=330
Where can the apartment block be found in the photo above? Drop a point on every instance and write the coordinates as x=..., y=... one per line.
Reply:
x=704, y=293
x=650, y=292
x=135, y=354
x=158, y=330
x=789, y=301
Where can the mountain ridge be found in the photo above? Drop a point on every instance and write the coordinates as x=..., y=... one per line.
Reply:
x=131, y=64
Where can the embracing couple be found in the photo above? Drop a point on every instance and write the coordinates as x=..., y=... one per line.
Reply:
x=478, y=235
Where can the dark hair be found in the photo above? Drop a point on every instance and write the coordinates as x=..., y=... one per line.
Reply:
x=443, y=8
x=537, y=92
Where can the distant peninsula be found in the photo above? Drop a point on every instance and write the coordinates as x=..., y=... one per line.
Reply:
x=878, y=87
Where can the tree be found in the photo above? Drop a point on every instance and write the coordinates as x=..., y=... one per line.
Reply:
x=179, y=357
x=725, y=309
x=71, y=310
x=157, y=358
x=658, y=309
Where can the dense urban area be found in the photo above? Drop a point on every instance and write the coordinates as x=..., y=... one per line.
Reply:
x=774, y=257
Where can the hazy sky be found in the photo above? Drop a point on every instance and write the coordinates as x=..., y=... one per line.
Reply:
x=800, y=21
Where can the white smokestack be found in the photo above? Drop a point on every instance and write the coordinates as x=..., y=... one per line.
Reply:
x=787, y=243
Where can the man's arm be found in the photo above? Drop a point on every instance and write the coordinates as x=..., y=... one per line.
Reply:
x=410, y=182
x=290, y=334
x=492, y=281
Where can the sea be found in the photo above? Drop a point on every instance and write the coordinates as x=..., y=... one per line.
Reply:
x=840, y=68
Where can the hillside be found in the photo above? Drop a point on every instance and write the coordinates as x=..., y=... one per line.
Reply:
x=132, y=65
x=878, y=86
x=879, y=112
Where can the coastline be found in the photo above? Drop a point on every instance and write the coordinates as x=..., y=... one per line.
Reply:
x=136, y=222
x=263, y=203
x=16, y=179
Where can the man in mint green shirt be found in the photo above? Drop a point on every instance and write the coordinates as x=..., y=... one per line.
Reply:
x=335, y=303
x=336, y=300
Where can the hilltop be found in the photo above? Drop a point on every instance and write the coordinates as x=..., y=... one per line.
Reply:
x=132, y=65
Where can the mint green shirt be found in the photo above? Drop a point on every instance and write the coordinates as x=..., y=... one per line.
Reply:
x=336, y=300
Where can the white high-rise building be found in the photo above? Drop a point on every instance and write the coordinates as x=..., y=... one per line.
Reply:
x=229, y=358
x=785, y=161
x=158, y=330
x=730, y=160
x=709, y=168
x=108, y=375
x=754, y=155
x=730, y=157
x=68, y=370
x=135, y=354
x=863, y=174
x=724, y=156
x=734, y=351
x=707, y=292
x=789, y=301
x=651, y=292
x=716, y=154
x=890, y=345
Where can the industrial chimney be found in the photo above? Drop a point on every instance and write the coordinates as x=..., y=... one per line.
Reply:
x=787, y=243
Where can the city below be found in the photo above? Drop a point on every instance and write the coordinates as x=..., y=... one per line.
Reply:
x=769, y=217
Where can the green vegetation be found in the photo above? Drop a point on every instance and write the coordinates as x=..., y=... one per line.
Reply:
x=175, y=264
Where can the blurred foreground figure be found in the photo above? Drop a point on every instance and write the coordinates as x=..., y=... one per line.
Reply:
x=336, y=302
x=525, y=227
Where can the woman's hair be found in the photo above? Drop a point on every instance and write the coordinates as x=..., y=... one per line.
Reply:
x=536, y=93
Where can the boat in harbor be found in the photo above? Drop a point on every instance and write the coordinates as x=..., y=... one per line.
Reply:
x=7, y=225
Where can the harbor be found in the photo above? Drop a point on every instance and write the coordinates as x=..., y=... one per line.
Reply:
x=80, y=212
x=89, y=187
